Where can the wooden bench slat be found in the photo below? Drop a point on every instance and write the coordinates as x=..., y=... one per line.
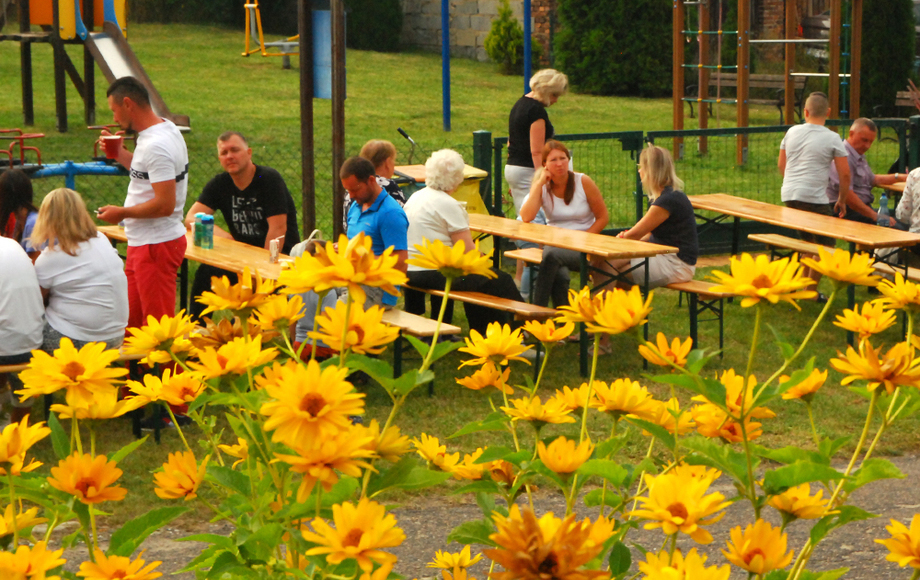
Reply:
x=699, y=287
x=913, y=274
x=416, y=325
x=788, y=243
x=122, y=357
x=529, y=255
x=520, y=309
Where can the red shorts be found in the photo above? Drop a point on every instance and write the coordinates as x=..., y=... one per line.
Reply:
x=152, y=270
x=322, y=352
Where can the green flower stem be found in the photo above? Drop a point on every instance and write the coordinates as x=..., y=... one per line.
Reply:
x=95, y=534
x=319, y=499
x=343, y=350
x=75, y=435
x=814, y=429
x=261, y=451
x=748, y=458
x=52, y=525
x=542, y=366
x=211, y=441
x=247, y=338
x=910, y=325
x=755, y=337
x=9, y=473
x=92, y=440
x=584, y=415
x=887, y=421
x=178, y=428
x=448, y=280
x=673, y=545
x=604, y=487
x=915, y=575
x=639, y=487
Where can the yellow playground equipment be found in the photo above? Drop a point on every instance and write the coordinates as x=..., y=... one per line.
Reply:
x=286, y=48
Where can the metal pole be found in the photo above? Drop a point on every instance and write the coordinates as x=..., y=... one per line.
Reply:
x=308, y=185
x=25, y=66
x=833, y=83
x=789, y=61
x=338, y=111
x=60, y=88
x=445, y=62
x=856, y=58
x=89, y=68
x=528, y=66
x=677, y=72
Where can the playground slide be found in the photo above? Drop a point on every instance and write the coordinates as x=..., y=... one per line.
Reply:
x=116, y=59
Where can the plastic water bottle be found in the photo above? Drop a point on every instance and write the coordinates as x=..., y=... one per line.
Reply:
x=199, y=229
x=207, y=238
x=883, y=215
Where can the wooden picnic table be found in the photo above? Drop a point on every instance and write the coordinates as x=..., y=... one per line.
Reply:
x=897, y=188
x=417, y=172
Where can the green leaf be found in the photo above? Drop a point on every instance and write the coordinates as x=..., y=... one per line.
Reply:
x=486, y=502
x=259, y=546
x=233, y=480
x=441, y=349
x=698, y=359
x=487, y=424
x=647, y=465
x=124, y=451
x=722, y=457
x=494, y=453
x=127, y=538
x=657, y=431
x=605, y=468
x=594, y=497
x=226, y=563
x=784, y=347
x=376, y=368
x=389, y=477
x=845, y=514
x=59, y=438
x=778, y=480
x=410, y=380
x=830, y=447
x=871, y=470
x=620, y=559
x=417, y=477
x=610, y=446
x=776, y=389
x=213, y=539
x=790, y=454
x=713, y=390
x=808, y=574
x=472, y=532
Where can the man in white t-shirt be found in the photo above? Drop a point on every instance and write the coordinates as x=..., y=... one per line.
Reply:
x=805, y=157
x=152, y=213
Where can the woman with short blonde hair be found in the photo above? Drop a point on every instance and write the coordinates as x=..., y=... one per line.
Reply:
x=63, y=222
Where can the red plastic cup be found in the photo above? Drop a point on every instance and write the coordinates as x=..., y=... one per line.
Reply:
x=112, y=145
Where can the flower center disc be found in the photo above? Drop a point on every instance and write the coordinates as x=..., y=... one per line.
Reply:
x=752, y=554
x=73, y=369
x=312, y=404
x=83, y=485
x=762, y=281
x=678, y=510
x=353, y=537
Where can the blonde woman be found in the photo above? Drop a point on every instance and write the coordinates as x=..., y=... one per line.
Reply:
x=81, y=276
x=669, y=221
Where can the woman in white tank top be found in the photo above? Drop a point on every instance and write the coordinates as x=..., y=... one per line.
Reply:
x=571, y=201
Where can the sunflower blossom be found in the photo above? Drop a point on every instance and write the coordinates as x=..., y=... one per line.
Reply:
x=215, y=334
x=468, y=468
x=759, y=279
x=623, y=397
x=309, y=403
x=360, y=532
x=180, y=477
x=547, y=332
x=390, y=445
x=174, y=388
x=573, y=399
x=759, y=549
x=117, y=568
x=539, y=414
x=798, y=503
x=18, y=522
x=452, y=261
x=431, y=450
x=319, y=460
x=712, y=421
x=665, y=355
x=901, y=294
x=81, y=372
x=620, y=310
x=32, y=563
x=904, y=544
x=366, y=334
x=280, y=313
x=488, y=376
x=351, y=263
x=454, y=561
x=667, y=414
x=680, y=567
x=240, y=451
x=158, y=338
x=897, y=368
x=104, y=406
x=677, y=501
x=872, y=319
x=582, y=307
x=15, y=440
x=240, y=298
x=739, y=397
x=564, y=456
x=237, y=357
x=844, y=268
x=499, y=346
x=545, y=548
x=88, y=478
x=806, y=389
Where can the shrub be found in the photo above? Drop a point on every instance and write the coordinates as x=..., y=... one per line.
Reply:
x=373, y=24
x=505, y=42
x=887, y=54
x=610, y=47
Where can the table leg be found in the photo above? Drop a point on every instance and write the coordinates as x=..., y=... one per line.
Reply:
x=645, y=291
x=582, y=331
x=736, y=235
x=183, y=284
x=497, y=251
x=851, y=298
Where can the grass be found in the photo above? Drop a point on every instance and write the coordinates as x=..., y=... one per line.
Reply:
x=199, y=72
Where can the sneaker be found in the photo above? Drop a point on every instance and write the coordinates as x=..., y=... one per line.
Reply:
x=356, y=419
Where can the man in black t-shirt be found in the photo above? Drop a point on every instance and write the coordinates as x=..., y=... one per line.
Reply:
x=254, y=201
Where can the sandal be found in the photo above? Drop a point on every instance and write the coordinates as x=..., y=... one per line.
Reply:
x=603, y=349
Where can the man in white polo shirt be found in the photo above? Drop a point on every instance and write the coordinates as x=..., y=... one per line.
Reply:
x=152, y=213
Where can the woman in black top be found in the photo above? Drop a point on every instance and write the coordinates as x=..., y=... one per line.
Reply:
x=669, y=221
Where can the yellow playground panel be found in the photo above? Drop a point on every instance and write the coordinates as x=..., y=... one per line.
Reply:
x=41, y=12
x=253, y=33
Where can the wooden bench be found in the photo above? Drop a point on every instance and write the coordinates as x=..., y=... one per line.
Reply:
x=533, y=257
x=775, y=83
x=777, y=243
x=701, y=299
x=417, y=326
x=520, y=310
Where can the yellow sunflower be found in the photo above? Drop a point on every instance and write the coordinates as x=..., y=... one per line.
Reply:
x=367, y=334
x=361, y=533
x=351, y=264
x=901, y=294
x=15, y=440
x=117, y=568
x=575, y=398
x=623, y=397
x=502, y=472
x=564, y=456
x=240, y=298
x=19, y=522
x=904, y=544
x=739, y=395
x=240, y=451
x=309, y=403
x=488, y=376
x=668, y=415
x=88, y=478
x=468, y=468
x=319, y=460
x=677, y=501
x=531, y=409
x=806, y=389
x=103, y=406
x=158, y=338
x=547, y=332
x=680, y=567
x=760, y=549
x=872, y=319
x=390, y=446
x=31, y=562
x=759, y=279
x=620, y=310
x=798, y=503
x=582, y=307
x=214, y=334
x=537, y=549
x=664, y=355
x=180, y=477
x=237, y=357
x=455, y=561
x=844, y=268
x=499, y=346
x=454, y=261
x=280, y=313
x=712, y=421
x=174, y=388
x=82, y=372
x=431, y=450
x=897, y=368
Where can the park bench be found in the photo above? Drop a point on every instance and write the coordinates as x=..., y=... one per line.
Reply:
x=520, y=310
x=775, y=84
x=417, y=326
